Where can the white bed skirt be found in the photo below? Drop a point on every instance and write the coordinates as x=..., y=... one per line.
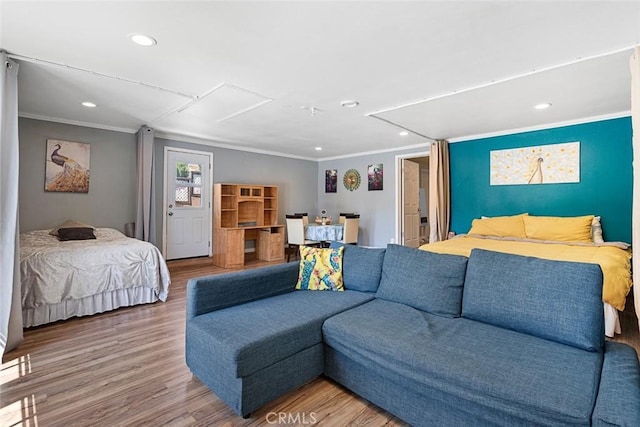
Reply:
x=611, y=321
x=108, y=301
x=93, y=304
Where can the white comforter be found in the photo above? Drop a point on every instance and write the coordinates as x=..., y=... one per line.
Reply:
x=53, y=271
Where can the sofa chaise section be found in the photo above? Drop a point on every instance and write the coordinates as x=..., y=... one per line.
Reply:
x=254, y=346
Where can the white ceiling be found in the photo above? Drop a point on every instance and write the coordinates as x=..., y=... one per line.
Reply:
x=270, y=76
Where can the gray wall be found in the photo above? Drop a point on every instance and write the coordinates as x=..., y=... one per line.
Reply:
x=377, y=209
x=296, y=179
x=111, y=200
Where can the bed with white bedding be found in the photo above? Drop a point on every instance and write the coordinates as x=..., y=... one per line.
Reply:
x=63, y=279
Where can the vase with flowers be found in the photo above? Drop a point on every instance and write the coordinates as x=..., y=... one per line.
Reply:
x=323, y=218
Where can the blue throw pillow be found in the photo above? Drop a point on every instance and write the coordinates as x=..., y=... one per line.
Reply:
x=362, y=268
x=424, y=280
x=557, y=300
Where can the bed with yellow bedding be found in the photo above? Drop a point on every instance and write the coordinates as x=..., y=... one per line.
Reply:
x=613, y=258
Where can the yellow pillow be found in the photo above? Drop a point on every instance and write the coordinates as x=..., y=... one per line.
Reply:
x=499, y=226
x=320, y=269
x=561, y=229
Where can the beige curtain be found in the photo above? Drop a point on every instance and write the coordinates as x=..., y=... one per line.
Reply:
x=439, y=191
x=635, y=123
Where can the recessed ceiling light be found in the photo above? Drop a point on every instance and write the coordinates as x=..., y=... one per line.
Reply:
x=318, y=148
x=89, y=104
x=403, y=133
x=142, y=40
x=349, y=104
x=542, y=106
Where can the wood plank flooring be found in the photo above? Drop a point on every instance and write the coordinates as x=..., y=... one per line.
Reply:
x=126, y=368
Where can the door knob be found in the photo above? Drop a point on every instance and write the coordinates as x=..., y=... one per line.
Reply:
x=170, y=214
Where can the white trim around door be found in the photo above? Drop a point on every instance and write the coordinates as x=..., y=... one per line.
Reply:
x=399, y=178
x=208, y=187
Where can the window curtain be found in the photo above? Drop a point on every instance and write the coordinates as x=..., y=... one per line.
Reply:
x=439, y=191
x=10, y=291
x=635, y=124
x=145, y=216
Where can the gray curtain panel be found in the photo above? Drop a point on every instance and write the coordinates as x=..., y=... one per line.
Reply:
x=10, y=298
x=145, y=215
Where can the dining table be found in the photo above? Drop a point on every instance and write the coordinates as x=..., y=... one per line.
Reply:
x=323, y=233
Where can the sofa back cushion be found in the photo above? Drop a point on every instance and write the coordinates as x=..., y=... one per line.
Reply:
x=424, y=280
x=362, y=268
x=556, y=300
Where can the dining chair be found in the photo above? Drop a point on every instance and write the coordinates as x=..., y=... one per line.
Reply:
x=305, y=217
x=342, y=216
x=350, y=232
x=295, y=234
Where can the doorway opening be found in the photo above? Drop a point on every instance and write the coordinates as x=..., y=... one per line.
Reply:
x=412, y=199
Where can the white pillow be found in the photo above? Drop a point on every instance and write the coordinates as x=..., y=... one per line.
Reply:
x=596, y=230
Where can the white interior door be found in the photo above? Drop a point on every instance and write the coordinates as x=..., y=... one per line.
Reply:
x=411, y=204
x=188, y=209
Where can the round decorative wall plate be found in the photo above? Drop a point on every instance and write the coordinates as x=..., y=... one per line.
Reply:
x=351, y=179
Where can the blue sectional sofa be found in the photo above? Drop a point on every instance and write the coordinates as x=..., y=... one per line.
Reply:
x=495, y=339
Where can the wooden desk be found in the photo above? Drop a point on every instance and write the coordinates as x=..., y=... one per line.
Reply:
x=228, y=244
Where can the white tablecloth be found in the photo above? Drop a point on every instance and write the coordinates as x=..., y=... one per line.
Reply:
x=323, y=233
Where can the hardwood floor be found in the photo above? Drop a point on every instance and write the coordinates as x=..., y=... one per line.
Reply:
x=126, y=368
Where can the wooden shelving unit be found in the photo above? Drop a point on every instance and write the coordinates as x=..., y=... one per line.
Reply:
x=270, y=205
x=225, y=207
x=245, y=212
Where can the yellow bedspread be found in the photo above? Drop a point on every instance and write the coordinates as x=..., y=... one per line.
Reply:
x=615, y=262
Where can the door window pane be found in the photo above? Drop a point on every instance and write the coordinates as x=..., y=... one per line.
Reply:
x=188, y=185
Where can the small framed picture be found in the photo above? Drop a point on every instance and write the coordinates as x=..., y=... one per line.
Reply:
x=375, y=177
x=331, y=181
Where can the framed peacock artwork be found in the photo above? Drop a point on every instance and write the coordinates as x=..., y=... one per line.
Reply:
x=67, y=166
x=542, y=164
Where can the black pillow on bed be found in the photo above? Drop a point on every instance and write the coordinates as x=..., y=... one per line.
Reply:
x=76, y=233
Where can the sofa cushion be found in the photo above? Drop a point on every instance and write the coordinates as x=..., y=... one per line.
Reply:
x=619, y=372
x=320, y=269
x=494, y=370
x=557, y=300
x=257, y=334
x=424, y=280
x=362, y=268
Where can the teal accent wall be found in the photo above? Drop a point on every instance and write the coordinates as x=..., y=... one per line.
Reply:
x=605, y=187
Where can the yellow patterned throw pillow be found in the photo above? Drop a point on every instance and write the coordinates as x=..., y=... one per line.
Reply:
x=320, y=269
